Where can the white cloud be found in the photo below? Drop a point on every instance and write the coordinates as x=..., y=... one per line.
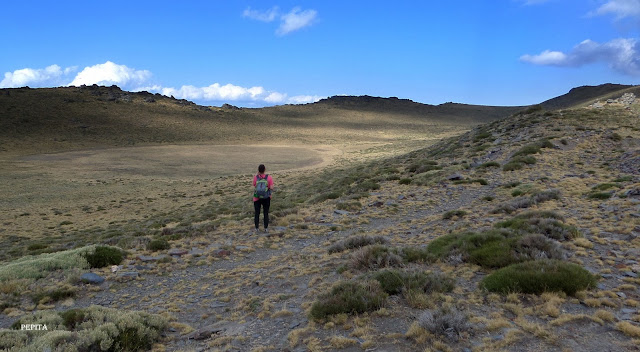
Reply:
x=296, y=19
x=233, y=93
x=545, y=58
x=110, y=73
x=623, y=55
x=289, y=22
x=264, y=16
x=620, y=8
x=52, y=75
x=534, y=2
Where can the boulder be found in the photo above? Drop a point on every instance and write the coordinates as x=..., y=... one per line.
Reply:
x=91, y=278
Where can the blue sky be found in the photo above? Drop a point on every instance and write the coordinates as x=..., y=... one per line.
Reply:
x=257, y=53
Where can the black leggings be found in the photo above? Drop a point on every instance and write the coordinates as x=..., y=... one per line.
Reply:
x=265, y=203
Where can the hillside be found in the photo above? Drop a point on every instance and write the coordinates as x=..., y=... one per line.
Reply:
x=522, y=234
x=59, y=119
x=587, y=94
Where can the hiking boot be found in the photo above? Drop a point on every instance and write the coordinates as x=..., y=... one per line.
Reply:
x=256, y=231
x=266, y=231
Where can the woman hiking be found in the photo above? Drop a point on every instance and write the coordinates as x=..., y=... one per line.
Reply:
x=263, y=185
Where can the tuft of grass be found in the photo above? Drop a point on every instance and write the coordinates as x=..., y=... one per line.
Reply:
x=376, y=257
x=446, y=322
x=628, y=329
x=350, y=298
x=539, y=276
x=451, y=213
x=104, y=256
x=356, y=242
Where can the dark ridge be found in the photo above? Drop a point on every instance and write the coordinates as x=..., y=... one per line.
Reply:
x=583, y=94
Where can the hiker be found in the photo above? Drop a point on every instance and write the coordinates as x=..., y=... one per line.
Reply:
x=263, y=185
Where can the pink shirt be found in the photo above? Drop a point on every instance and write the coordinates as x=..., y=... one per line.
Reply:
x=269, y=183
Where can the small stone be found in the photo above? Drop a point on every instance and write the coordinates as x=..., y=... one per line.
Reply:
x=196, y=252
x=628, y=310
x=148, y=258
x=621, y=295
x=129, y=274
x=91, y=278
x=341, y=212
x=205, y=332
x=376, y=204
x=221, y=253
x=455, y=177
x=630, y=274
x=177, y=251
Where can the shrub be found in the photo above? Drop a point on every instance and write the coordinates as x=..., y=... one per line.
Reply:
x=447, y=322
x=451, y=213
x=376, y=257
x=394, y=282
x=490, y=249
x=417, y=254
x=34, y=267
x=489, y=164
x=527, y=150
x=545, y=196
x=627, y=178
x=599, y=195
x=545, y=223
x=89, y=329
x=513, y=205
x=605, y=186
x=104, y=256
x=539, y=276
x=404, y=181
x=356, y=242
x=158, y=245
x=350, y=298
x=536, y=246
x=512, y=184
x=53, y=295
x=481, y=135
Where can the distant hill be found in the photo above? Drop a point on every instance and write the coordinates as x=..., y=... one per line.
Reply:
x=445, y=111
x=48, y=120
x=586, y=94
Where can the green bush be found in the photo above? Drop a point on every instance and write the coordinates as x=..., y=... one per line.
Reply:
x=394, y=282
x=599, y=195
x=491, y=249
x=104, y=256
x=404, y=181
x=489, y=164
x=605, y=186
x=539, y=276
x=349, y=297
x=158, y=245
x=417, y=254
x=54, y=295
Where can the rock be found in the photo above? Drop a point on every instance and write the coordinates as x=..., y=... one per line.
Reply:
x=148, y=258
x=129, y=274
x=205, y=332
x=621, y=295
x=177, y=251
x=630, y=274
x=376, y=204
x=196, y=252
x=341, y=212
x=221, y=253
x=91, y=278
x=455, y=177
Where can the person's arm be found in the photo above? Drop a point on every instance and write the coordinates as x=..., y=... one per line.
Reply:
x=255, y=179
x=270, y=182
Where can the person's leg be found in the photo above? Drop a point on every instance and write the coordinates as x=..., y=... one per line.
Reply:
x=266, y=205
x=256, y=217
